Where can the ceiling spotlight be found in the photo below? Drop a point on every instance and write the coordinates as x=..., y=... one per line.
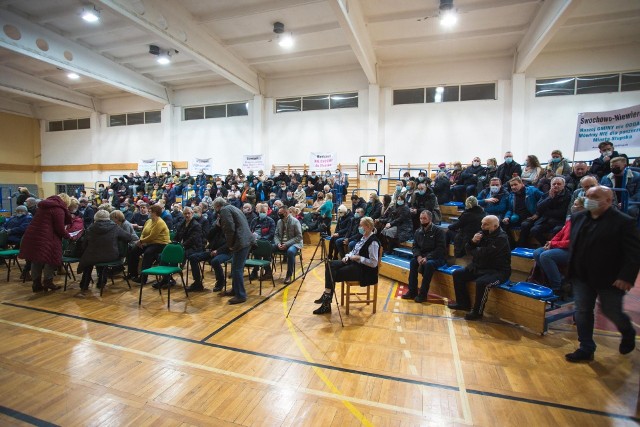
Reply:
x=90, y=14
x=163, y=56
x=448, y=15
x=284, y=40
x=73, y=76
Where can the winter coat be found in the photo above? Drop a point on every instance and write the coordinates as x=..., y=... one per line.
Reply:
x=235, y=228
x=467, y=225
x=16, y=226
x=532, y=195
x=498, y=209
x=491, y=254
x=554, y=208
x=506, y=170
x=401, y=218
x=101, y=243
x=42, y=242
x=373, y=210
x=190, y=236
x=469, y=176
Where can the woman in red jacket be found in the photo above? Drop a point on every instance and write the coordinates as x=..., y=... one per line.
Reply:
x=555, y=253
x=42, y=242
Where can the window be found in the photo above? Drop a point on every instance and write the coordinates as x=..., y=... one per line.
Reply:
x=598, y=84
x=443, y=94
x=135, y=119
x=344, y=100
x=603, y=83
x=325, y=101
x=129, y=119
x=215, y=111
x=630, y=81
x=240, y=109
x=555, y=87
x=317, y=102
x=477, y=92
x=288, y=104
x=153, y=116
x=118, y=120
x=408, y=96
x=69, y=124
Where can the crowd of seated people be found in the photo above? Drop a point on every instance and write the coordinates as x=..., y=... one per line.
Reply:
x=527, y=197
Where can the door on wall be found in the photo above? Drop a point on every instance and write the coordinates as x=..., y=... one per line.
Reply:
x=70, y=189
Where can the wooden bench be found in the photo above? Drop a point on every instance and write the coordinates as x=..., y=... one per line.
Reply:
x=532, y=313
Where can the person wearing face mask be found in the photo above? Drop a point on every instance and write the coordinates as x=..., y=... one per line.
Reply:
x=343, y=225
x=410, y=190
x=442, y=167
x=428, y=254
x=494, y=199
x=263, y=228
x=558, y=164
x=555, y=255
x=468, y=223
x=466, y=184
x=399, y=191
x=288, y=240
x=532, y=170
x=601, y=166
x=399, y=228
x=248, y=194
x=621, y=177
x=489, y=173
x=340, y=186
x=374, y=207
x=585, y=183
x=509, y=169
x=281, y=192
x=603, y=264
x=424, y=198
x=249, y=214
x=442, y=188
x=490, y=266
x=360, y=264
x=17, y=225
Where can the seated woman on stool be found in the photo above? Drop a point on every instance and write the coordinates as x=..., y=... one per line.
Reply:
x=360, y=264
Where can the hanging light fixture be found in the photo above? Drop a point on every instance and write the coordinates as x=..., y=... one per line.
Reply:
x=90, y=14
x=448, y=15
x=284, y=39
x=163, y=56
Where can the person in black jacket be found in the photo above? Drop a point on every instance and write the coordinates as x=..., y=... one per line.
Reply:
x=399, y=228
x=509, y=169
x=468, y=180
x=423, y=198
x=550, y=216
x=491, y=266
x=360, y=264
x=343, y=225
x=190, y=235
x=468, y=224
x=428, y=254
x=357, y=202
x=601, y=166
x=604, y=264
x=101, y=245
x=353, y=234
x=374, y=207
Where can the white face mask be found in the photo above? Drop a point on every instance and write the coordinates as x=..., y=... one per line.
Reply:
x=591, y=205
x=494, y=188
x=608, y=153
x=476, y=164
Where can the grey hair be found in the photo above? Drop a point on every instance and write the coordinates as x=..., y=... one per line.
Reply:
x=219, y=202
x=22, y=209
x=559, y=178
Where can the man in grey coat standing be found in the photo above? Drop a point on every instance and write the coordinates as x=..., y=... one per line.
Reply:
x=239, y=240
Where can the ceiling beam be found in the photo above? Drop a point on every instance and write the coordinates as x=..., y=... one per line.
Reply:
x=174, y=24
x=551, y=16
x=416, y=14
x=256, y=9
x=465, y=35
x=351, y=18
x=14, y=107
x=84, y=61
x=579, y=21
x=120, y=43
x=271, y=35
x=23, y=84
x=298, y=55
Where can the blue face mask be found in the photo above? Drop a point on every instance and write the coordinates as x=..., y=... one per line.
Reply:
x=555, y=160
x=398, y=187
x=400, y=202
x=356, y=215
x=508, y=160
x=421, y=192
x=361, y=230
x=408, y=188
x=262, y=215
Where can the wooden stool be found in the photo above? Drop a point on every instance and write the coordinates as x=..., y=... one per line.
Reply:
x=354, y=297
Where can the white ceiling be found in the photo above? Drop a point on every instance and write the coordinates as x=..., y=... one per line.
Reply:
x=226, y=41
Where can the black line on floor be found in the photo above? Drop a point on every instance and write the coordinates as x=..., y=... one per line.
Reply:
x=337, y=368
x=25, y=417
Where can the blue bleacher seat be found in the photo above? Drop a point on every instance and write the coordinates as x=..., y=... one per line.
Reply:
x=449, y=269
x=523, y=252
x=531, y=290
x=459, y=205
x=403, y=252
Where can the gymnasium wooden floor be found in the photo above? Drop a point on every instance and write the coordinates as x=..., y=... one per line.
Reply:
x=72, y=361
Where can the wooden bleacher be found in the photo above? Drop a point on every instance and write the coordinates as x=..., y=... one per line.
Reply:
x=532, y=313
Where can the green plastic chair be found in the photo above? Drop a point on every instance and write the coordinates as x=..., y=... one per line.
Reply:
x=66, y=263
x=9, y=255
x=123, y=249
x=172, y=257
x=262, y=250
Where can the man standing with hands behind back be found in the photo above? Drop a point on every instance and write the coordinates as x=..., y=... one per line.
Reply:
x=604, y=263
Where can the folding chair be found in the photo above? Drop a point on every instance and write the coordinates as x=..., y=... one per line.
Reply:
x=9, y=255
x=66, y=263
x=261, y=258
x=172, y=257
x=106, y=267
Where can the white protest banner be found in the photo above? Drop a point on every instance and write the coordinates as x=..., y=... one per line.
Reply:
x=145, y=165
x=322, y=161
x=621, y=127
x=196, y=165
x=252, y=162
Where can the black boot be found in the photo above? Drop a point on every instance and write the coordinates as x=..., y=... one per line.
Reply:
x=325, y=297
x=324, y=308
x=37, y=285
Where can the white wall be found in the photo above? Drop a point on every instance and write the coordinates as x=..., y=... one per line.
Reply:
x=418, y=133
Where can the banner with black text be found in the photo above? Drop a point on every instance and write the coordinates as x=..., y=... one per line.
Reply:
x=621, y=127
